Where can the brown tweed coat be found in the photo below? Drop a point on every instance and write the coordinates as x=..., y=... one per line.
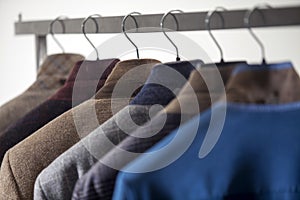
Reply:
x=23, y=163
x=51, y=76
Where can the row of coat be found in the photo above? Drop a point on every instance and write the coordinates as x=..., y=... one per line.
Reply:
x=142, y=129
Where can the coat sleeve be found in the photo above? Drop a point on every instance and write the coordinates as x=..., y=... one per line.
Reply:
x=9, y=189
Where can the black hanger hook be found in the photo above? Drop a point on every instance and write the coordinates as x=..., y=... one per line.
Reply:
x=92, y=17
x=177, y=27
x=125, y=33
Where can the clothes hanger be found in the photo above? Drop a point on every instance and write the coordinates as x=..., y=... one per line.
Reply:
x=138, y=61
x=92, y=17
x=177, y=26
x=125, y=33
x=210, y=14
x=263, y=83
x=247, y=23
x=60, y=20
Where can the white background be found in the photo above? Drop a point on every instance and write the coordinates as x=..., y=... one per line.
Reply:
x=17, y=53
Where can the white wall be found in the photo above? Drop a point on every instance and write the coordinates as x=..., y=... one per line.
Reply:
x=17, y=54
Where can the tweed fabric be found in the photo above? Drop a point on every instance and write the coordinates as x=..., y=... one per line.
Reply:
x=259, y=85
x=207, y=84
x=26, y=160
x=51, y=76
x=87, y=82
x=88, y=150
x=71, y=165
x=99, y=181
x=165, y=81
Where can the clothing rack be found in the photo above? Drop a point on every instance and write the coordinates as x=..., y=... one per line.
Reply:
x=188, y=21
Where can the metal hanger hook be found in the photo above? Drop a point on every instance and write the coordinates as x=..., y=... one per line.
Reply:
x=92, y=17
x=60, y=20
x=125, y=33
x=208, y=27
x=247, y=18
x=162, y=21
